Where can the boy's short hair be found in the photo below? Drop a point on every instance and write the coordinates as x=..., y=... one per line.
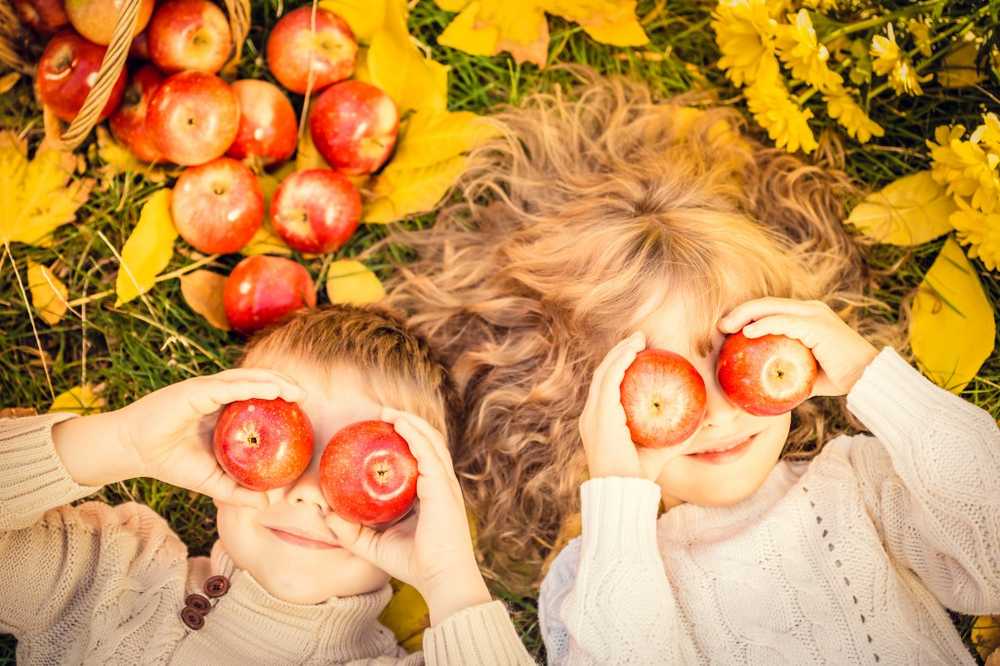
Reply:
x=401, y=368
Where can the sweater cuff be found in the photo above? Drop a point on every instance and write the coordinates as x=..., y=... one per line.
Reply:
x=33, y=478
x=619, y=515
x=482, y=634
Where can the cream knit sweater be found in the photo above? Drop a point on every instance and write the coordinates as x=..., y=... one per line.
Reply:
x=849, y=559
x=98, y=584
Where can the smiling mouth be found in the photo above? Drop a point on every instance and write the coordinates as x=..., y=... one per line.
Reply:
x=724, y=454
x=302, y=541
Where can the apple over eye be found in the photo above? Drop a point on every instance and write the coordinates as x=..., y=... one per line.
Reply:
x=664, y=398
x=766, y=376
x=368, y=475
x=263, y=444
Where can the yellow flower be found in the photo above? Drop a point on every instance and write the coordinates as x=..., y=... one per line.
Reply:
x=966, y=168
x=801, y=51
x=885, y=52
x=821, y=5
x=904, y=78
x=980, y=231
x=842, y=107
x=921, y=32
x=786, y=123
x=988, y=133
x=744, y=31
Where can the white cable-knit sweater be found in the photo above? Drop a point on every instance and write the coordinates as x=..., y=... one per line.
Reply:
x=848, y=559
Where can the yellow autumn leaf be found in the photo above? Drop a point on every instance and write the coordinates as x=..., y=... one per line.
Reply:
x=48, y=293
x=428, y=137
x=607, y=21
x=399, y=193
x=350, y=281
x=958, y=68
x=307, y=155
x=265, y=240
x=117, y=159
x=202, y=291
x=148, y=249
x=406, y=615
x=949, y=306
x=909, y=211
x=395, y=64
x=82, y=400
x=8, y=81
x=986, y=635
x=364, y=16
x=39, y=195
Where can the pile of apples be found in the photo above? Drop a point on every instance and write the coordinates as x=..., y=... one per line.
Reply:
x=173, y=107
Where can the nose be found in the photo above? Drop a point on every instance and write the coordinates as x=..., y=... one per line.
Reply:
x=306, y=489
x=720, y=412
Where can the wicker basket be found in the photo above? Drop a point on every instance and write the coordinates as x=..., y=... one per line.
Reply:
x=11, y=31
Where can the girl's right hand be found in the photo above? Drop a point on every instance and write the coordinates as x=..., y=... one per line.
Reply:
x=167, y=435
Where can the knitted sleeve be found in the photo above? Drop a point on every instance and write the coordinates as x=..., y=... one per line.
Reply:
x=482, y=634
x=931, y=482
x=67, y=570
x=606, y=599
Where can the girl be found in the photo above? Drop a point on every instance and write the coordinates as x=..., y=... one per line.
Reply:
x=605, y=221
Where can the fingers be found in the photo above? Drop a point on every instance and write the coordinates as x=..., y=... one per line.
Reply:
x=758, y=308
x=210, y=394
x=603, y=386
x=802, y=329
x=222, y=488
x=429, y=432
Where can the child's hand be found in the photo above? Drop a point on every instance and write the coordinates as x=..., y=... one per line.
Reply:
x=842, y=354
x=167, y=435
x=432, y=549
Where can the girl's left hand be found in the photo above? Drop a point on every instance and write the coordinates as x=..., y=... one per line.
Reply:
x=432, y=549
x=840, y=351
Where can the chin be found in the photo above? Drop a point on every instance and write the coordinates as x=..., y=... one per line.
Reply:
x=304, y=585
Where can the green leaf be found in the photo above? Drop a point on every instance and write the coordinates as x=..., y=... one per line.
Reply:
x=909, y=211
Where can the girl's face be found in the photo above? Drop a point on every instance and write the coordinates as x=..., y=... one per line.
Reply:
x=286, y=546
x=754, y=442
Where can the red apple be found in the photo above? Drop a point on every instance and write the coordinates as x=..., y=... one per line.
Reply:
x=67, y=71
x=316, y=210
x=354, y=126
x=128, y=123
x=664, y=398
x=268, y=128
x=42, y=16
x=95, y=19
x=189, y=34
x=217, y=207
x=368, y=475
x=292, y=46
x=263, y=444
x=768, y=375
x=263, y=290
x=193, y=118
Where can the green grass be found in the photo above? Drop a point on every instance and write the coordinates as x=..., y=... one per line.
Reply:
x=148, y=344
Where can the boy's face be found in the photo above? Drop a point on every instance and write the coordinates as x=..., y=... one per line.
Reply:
x=287, y=547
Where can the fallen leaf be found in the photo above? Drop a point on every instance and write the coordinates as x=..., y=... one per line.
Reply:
x=8, y=81
x=350, y=281
x=307, y=155
x=202, y=291
x=909, y=211
x=429, y=136
x=406, y=615
x=265, y=240
x=148, y=249
x=958, y=68
x=950, y=305
x=986, y=635
x=399, y=193
x=81, y=400
x=364, y=16
x=607, y=21
x=117, y=159
x=48, y=293
x=396, y=65
x=39, y=195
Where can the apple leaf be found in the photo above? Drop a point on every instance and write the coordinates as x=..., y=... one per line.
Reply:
x=202, y=291
x=909, y=211
x=406, y=615
x=986, y=635
x=950, y=305
x=84, y=399
x=48, y=293
x=148, y=249
x=350, y=281
x=395, y=64
x=364, y=16
x=39, y=195
x=265, y=240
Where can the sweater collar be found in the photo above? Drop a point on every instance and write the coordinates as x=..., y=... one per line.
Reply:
x=250, y=621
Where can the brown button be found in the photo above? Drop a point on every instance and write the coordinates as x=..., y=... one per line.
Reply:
x=216, y=586
x=199, y=603
x=192, y=618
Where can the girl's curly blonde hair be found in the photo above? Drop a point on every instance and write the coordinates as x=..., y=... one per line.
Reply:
x=590, y=206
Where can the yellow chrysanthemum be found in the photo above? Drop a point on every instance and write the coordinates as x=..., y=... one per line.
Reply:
x=885, y=53
x=801, y=51
x=988, y=133
x=904, y=79
x=842, y=107
x=980, y=231
x=744, y=31
x=921, y=32
x=821, y=5
x=786, y=123
x=966, y=168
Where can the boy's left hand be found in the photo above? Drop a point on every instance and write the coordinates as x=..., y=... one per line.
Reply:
x=432, y=549
x=840, y=351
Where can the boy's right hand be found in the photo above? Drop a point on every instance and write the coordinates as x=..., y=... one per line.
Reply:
x=167, y=435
